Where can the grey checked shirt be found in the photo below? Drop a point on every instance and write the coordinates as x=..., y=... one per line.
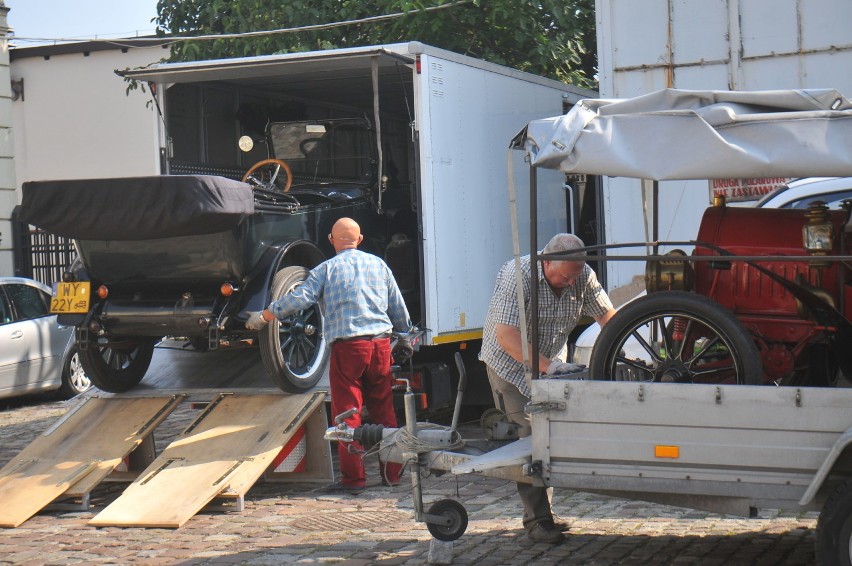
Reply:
x=357, y=294
x=558, y=315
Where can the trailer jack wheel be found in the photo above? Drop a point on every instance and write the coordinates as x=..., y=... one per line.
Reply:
x=450, y=520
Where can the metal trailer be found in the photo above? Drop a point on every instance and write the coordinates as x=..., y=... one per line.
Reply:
x=718, y=447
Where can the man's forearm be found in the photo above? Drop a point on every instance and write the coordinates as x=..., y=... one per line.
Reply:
x=509, y=339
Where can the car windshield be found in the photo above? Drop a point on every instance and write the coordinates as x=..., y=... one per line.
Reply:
x=833, y=200
x=325, y=151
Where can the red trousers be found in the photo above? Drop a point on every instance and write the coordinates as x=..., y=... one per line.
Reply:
x=359, y=376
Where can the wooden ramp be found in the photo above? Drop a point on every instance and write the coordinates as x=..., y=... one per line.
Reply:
x=232, y=442
x=77, y=452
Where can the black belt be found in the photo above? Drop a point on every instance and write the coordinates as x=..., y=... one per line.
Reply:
x=365, y=337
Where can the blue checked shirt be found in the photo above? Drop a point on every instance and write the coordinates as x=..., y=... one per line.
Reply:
x=357, y=295
x=558, y=315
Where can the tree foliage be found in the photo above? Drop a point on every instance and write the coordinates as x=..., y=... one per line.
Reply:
x=552, y=38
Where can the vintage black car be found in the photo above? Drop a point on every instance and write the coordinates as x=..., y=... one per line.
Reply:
x=191, y=255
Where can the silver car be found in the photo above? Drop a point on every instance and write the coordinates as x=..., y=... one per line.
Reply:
x=36, y=354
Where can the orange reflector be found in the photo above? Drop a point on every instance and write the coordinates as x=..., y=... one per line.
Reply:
x=226, y=289
x=103, y=292
x=666, y=451
x=463, y=346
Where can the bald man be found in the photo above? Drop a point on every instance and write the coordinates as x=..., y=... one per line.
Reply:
x=362, y=306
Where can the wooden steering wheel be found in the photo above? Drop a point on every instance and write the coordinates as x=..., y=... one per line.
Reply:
x=267, y=178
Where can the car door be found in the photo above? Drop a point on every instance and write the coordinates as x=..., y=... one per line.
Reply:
x=39, y=341
x=11, y=362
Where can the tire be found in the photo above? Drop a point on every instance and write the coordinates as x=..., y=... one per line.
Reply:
x=717, y=348
x=455, y=512
x=294, y=350
x=117, y=367
x=834, y=528
x=74, y=378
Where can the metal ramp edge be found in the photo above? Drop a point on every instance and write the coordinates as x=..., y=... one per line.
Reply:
x=77, y=452
x=223, y=452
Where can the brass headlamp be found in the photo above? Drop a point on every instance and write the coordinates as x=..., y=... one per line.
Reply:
x=817, y=236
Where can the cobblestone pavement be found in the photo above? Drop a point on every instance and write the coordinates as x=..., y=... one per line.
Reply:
x=302, y=524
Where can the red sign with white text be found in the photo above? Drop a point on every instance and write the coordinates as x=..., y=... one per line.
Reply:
x=745, y=189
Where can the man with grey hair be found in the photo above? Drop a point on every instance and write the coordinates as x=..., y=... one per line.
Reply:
x=567, y=290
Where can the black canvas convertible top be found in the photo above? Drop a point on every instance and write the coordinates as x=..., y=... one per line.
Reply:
x=136, y=208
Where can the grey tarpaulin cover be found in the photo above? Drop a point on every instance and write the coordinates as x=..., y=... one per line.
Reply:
x=136, y=208
x=681, y=134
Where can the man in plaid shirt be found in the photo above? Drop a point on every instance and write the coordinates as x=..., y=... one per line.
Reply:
x=567, y=290
x=362, y=306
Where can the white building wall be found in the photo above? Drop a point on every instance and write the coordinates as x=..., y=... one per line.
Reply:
x=77, y=121
x=7, y=173
x=73, y=118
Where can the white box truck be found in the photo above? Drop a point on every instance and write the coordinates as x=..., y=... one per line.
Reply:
x=408, y=138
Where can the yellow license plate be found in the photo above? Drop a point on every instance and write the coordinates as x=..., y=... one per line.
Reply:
x=70, y=298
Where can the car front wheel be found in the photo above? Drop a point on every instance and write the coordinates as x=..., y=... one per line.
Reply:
x=294, y=350
x=74, y=378
x=676, y=337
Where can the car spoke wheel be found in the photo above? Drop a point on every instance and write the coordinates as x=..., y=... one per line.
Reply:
x=294, y=350
x=74, y=378
x=676, y=337
x=117, y=366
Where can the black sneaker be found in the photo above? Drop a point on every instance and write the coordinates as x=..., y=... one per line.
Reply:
x=545, y=531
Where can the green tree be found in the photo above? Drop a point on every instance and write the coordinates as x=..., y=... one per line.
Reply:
x=552, y=38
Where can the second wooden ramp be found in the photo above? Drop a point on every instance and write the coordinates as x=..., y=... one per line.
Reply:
x=235, y=436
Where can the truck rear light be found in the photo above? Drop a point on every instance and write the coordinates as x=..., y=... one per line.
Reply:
x=102, y=292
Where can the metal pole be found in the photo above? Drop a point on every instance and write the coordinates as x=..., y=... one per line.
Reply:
x=655, y=215
x=412, y=457
x=534, y=271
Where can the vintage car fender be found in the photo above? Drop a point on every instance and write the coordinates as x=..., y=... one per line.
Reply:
x=255, y=295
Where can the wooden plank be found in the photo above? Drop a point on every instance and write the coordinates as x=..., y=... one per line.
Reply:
x=82, y=447
x=227, y=447
x=182, y=369
x=250, y=472
x=168, y=495
x=318, y=466
x=30, y=485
